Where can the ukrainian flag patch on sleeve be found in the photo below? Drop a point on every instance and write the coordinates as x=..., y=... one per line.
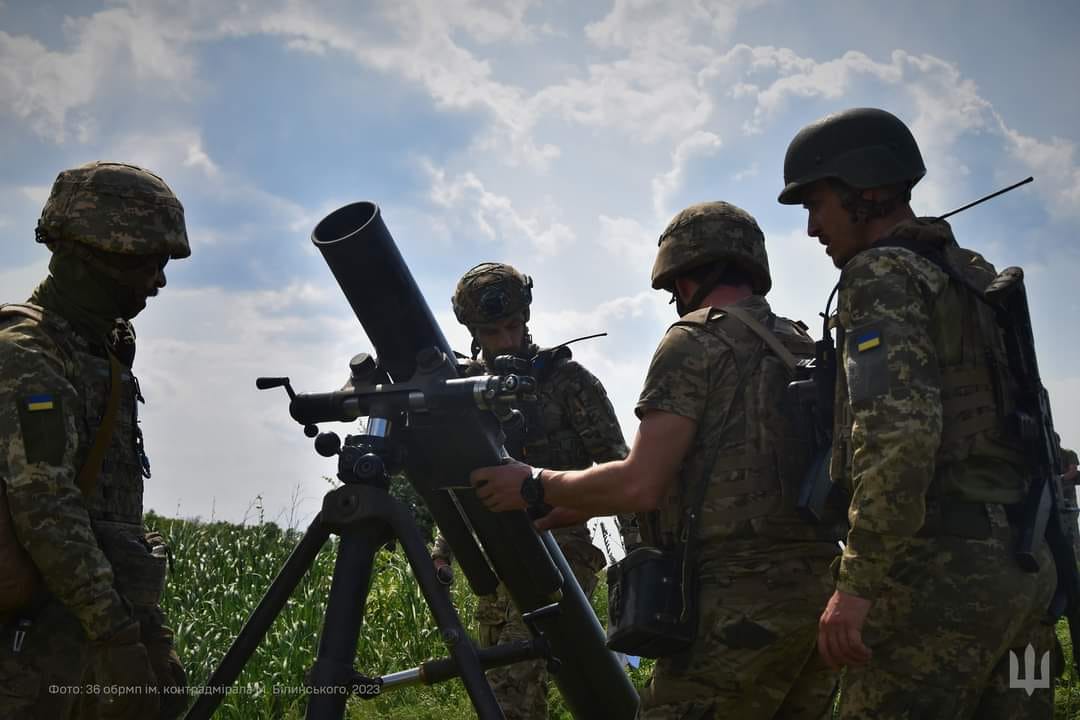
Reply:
x=868, y=340
x=37, y=403
x=44, y=437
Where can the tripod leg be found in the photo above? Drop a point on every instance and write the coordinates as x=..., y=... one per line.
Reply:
x=457, y=640
x=303, y=555
x=331, y=675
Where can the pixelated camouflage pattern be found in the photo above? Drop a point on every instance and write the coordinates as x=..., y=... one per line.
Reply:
x=573, y=426
x=753, y=482
x=115, y=207
x=92, y=552
x=710, y=232
x=948, y=601
x=890, y=448
x=50, y=515
x=471, y=288
x=755, y=656
x=745, y=545
x=941, y=628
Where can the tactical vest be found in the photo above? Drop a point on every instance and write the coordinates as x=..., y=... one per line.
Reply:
x=115, y=503
x=978, y=449
x=757, y=473
x=545, y=439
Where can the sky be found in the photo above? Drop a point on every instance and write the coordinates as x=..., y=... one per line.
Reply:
x=558, y=136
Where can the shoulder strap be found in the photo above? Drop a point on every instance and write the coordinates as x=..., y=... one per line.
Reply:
x=937, y=256
x=103, y=438
x=697, y=503
x=764, y=333
x=9, y=310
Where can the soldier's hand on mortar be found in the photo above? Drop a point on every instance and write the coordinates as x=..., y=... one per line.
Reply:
x=840, y=631
x=561, y=517
x=499, y=486
x=122, y=666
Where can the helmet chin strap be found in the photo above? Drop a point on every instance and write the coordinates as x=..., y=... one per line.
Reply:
x=707, y=286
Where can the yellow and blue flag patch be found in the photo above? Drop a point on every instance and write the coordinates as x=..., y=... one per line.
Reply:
x=37, y=403
x=868, y=340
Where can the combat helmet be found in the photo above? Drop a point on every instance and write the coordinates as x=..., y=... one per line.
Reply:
x=115, y=207
x=863, y=147
x=710, y=232
x=489, y=292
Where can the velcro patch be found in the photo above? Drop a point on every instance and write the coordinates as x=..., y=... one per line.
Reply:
x=867, y=364
x=42, y=420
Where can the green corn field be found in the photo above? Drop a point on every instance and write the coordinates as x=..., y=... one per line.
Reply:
x=220, y=570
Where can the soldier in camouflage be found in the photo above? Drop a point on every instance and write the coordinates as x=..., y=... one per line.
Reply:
x=713, y=410
x=87, y=614
x=571, y=425
x=929, y=598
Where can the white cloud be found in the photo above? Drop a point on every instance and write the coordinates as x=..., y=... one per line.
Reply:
x=495, y=215
x=1053, y=163
x=628, y=241
x=700, y=143
x=214, y=438
x=46, y=87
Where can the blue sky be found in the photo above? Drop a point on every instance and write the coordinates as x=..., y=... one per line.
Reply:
x=559, y=136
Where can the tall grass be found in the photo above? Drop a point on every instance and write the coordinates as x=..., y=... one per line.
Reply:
x=220, y=571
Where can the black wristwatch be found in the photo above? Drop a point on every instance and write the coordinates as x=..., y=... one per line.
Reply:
x=532, y=491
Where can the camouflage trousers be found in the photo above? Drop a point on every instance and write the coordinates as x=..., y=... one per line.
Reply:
x=49, y=677
x=522, y=688
x=942, y=628
x=755, y=655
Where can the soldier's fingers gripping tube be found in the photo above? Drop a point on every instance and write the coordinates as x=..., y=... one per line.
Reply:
x=445, y=444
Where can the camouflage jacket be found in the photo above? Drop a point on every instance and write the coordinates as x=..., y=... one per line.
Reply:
x=90, y=551
x=570, y=426
x=907, y=428
x=712, y=369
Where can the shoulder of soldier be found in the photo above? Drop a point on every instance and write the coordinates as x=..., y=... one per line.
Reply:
x=697, y=333
x=571, y=374
x=794, y=334
x=885, y=265
x=27, y=335
x=699, y=318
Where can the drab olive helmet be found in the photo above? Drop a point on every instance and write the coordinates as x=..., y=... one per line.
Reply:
x=114, y=207
x=490, y=292
x=710, y=232
x=863, y=147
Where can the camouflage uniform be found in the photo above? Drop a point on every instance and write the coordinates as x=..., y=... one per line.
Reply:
x=762, y=573
x=921, y=443
x=571, y=425
x=97, y=609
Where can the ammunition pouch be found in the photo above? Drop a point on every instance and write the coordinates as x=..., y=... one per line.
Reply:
x=650, y=611
x=952, y=518
x=138, y=564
